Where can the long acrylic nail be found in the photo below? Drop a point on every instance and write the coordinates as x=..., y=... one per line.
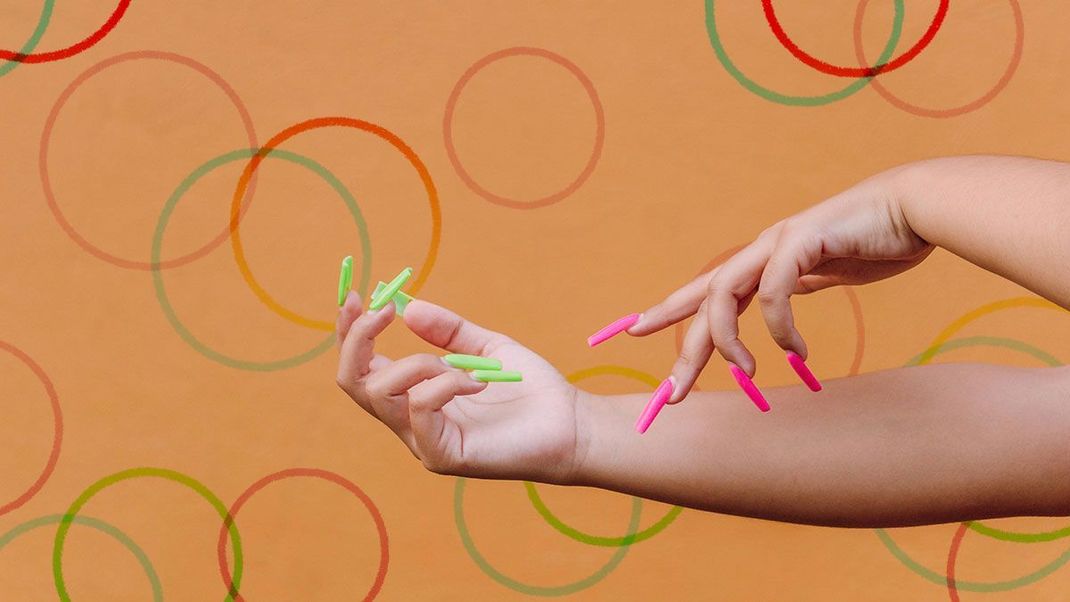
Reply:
x=748, y=387
x=613, y=329
x=497, y=376
x=472, y=362
x=803, y=371
x=657, y=401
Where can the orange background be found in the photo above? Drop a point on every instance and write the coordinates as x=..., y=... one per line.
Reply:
x=692, y=165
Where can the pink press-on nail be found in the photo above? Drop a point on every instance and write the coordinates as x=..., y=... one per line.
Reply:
x=657, y=401
x=613, y=329
x=803, y=371
x=748, y=387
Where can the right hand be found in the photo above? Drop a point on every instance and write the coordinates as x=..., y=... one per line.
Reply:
x=856, y=237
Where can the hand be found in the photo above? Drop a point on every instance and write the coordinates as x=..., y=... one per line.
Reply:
x=451, y=422
x=855, y=237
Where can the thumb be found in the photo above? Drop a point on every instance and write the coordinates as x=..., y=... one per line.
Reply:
x=447, y=330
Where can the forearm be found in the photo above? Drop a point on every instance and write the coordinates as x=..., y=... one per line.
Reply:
x=1009, y=215
x=900, y=447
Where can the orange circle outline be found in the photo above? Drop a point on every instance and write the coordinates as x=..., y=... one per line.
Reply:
x=599, y=136
x=304, y=126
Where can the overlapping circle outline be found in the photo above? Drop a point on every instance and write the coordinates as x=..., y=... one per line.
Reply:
x=942, y=344
x=99, y=525
x=538, y=590
x=57, y=428
x=830, y=69
x=35, y=37
x=1004, y=80
x=331, y=477
x=574, y=533
x=785, y=99
x=588, y=168
x=157, y=244
x=144, y=472
x=865, y=74
x=312, y=124
x=46, y=135
x=24, y=56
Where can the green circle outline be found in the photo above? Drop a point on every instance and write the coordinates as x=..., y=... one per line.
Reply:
x=132, y=473
x=157, y=247
x=35, y=37
x=574, y=533
x=598, y=540
x=537, y=590
x=99, y=525
x=799, y=101
x=929, y=574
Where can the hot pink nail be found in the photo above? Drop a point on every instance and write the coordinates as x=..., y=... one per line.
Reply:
x=657, y=401
x=748, y=387
x=613, y=329
x=803, y=371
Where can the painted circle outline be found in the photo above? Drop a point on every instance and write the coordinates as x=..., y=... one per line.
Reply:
x=57, y=428
x=574, y=533
x=944, y=335
x=35, y=37
x=830, y=69
x=800, y=101
x=599, y=136
x=927, y=573
x=76, y=48
x=1008, y=73
x=157, y=275
x=53, y=116
x=537, y=590
x=99, y=525
x=377, y=517
x=134, y=473
x=271, y=146
x=852, y=297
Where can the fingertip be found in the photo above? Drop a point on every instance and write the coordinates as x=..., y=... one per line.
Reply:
x=638, y=328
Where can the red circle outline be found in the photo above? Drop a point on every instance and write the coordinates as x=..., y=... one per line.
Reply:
x=57, y=429
x=1004, y=79
x=599, y=139
x=380, y=526
x=830, y=69
x=46, y=136
x=952, y=556
x=76, y=48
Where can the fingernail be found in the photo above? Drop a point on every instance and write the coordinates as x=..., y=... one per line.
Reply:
x=748, y=387
x=803, y=371
x=497, y=376
x=471, y=362
x=657, y=401
x=345, y=280
x=613, y=329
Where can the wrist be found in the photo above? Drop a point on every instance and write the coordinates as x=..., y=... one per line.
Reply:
x=585, y=407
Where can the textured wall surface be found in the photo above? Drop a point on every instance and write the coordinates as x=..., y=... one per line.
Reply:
x=544, y=167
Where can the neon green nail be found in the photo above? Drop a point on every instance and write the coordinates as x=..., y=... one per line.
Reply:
x=497, y=376
x=401, y=298
x=388, y=291
x=345, y=280
x=472, y=362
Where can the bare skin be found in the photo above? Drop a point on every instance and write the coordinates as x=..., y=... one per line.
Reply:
x=899, y=447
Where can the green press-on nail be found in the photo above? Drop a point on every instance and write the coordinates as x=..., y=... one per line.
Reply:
x=345, y=280
x=388, y=291
x=497, y=376
x=472, y=362
x=401, y=298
